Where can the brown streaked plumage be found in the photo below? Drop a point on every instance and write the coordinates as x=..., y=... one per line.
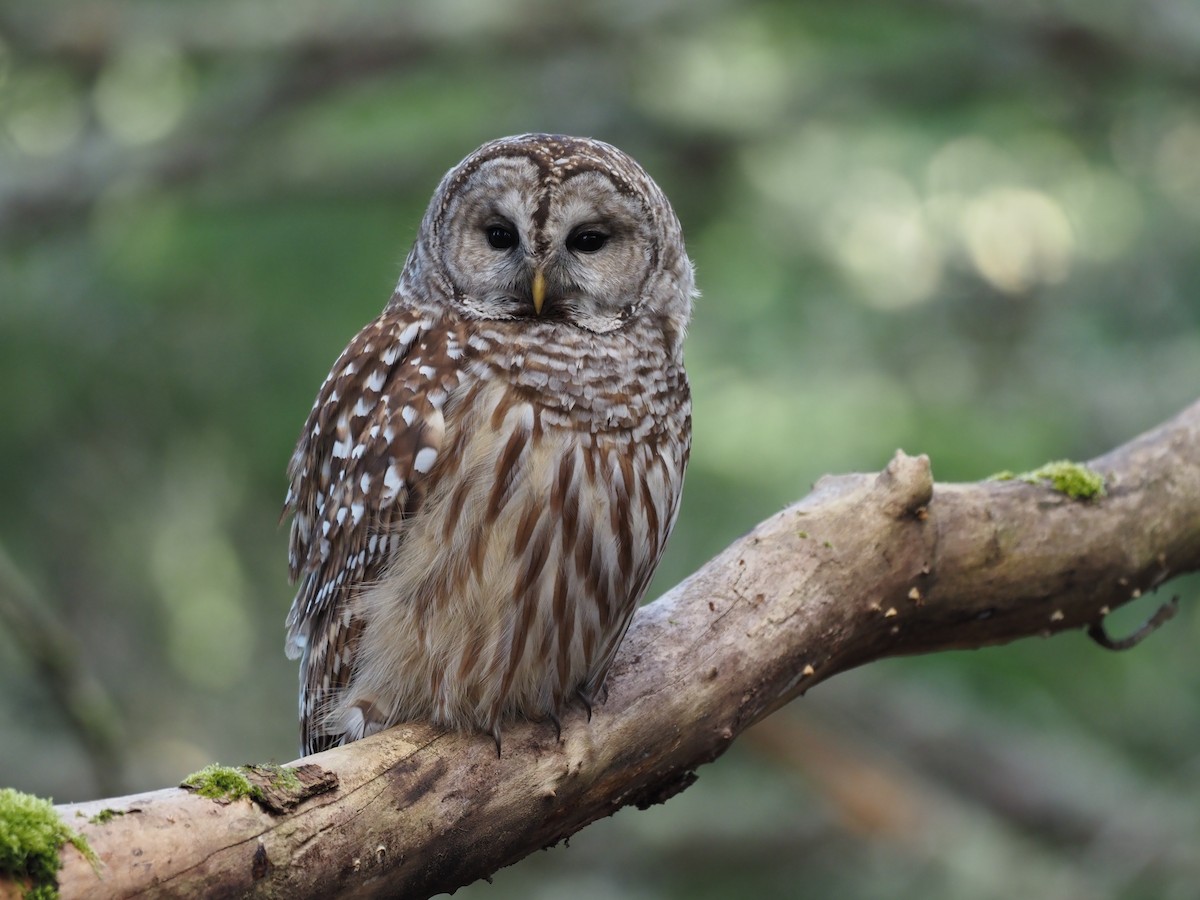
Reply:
x=490, y=471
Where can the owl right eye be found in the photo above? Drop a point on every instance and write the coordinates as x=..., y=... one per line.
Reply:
x=500, y=238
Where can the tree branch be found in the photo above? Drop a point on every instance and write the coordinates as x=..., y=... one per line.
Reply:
x=866, y=566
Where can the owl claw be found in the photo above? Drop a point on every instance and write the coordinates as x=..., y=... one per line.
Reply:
x=553, y=717
x=585, y=697
x=496, y=738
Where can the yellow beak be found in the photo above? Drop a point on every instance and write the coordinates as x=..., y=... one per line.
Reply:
x=539, y=290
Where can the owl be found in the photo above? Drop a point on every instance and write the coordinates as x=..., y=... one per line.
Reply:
x=489, y=474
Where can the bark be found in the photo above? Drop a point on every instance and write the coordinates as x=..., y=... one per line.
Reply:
x=866, y=566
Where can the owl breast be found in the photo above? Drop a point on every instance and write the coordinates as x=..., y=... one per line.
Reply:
x=515, y=580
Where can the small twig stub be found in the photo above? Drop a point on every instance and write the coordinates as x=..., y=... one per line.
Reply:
x=1163, y=614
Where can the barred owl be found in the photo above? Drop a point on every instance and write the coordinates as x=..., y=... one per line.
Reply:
x=490, y=471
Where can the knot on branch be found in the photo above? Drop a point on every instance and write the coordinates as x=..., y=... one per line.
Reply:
x=906, y=485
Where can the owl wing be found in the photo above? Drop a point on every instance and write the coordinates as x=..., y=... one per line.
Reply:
x=360, y=469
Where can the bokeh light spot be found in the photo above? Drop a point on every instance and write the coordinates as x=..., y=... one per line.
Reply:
x=142, y=94
x=1177, y=165
x=43, y=113
x=878, y=236
x=1018, y=239
x=731, y=79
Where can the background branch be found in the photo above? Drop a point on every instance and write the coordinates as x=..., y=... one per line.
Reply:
x=55, y=655
x=864, y=567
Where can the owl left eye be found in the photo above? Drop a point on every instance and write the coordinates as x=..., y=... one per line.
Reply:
x=500, y=238
x=587, y=241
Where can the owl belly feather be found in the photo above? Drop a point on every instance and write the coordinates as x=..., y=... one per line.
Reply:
x=512, y=586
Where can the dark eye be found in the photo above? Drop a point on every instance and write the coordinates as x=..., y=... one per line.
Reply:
x=500, y=238
x=588, y=241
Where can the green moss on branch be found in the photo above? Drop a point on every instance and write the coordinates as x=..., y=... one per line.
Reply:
x=1075, y=480
x=31, y=836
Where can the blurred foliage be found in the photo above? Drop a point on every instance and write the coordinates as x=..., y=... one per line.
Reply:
x=970, y=230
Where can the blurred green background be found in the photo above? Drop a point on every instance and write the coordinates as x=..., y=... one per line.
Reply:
x=970, y=230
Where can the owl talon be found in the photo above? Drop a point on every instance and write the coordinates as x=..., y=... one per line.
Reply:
x=585, y=698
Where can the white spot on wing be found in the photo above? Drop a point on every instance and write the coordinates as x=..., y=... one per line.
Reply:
x=424, y=460
x=392, y=482
x=409, y=333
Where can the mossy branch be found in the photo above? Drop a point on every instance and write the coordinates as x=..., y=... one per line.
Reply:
x=866, y=566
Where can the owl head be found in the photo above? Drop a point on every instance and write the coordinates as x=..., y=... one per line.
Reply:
x=553, y=229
